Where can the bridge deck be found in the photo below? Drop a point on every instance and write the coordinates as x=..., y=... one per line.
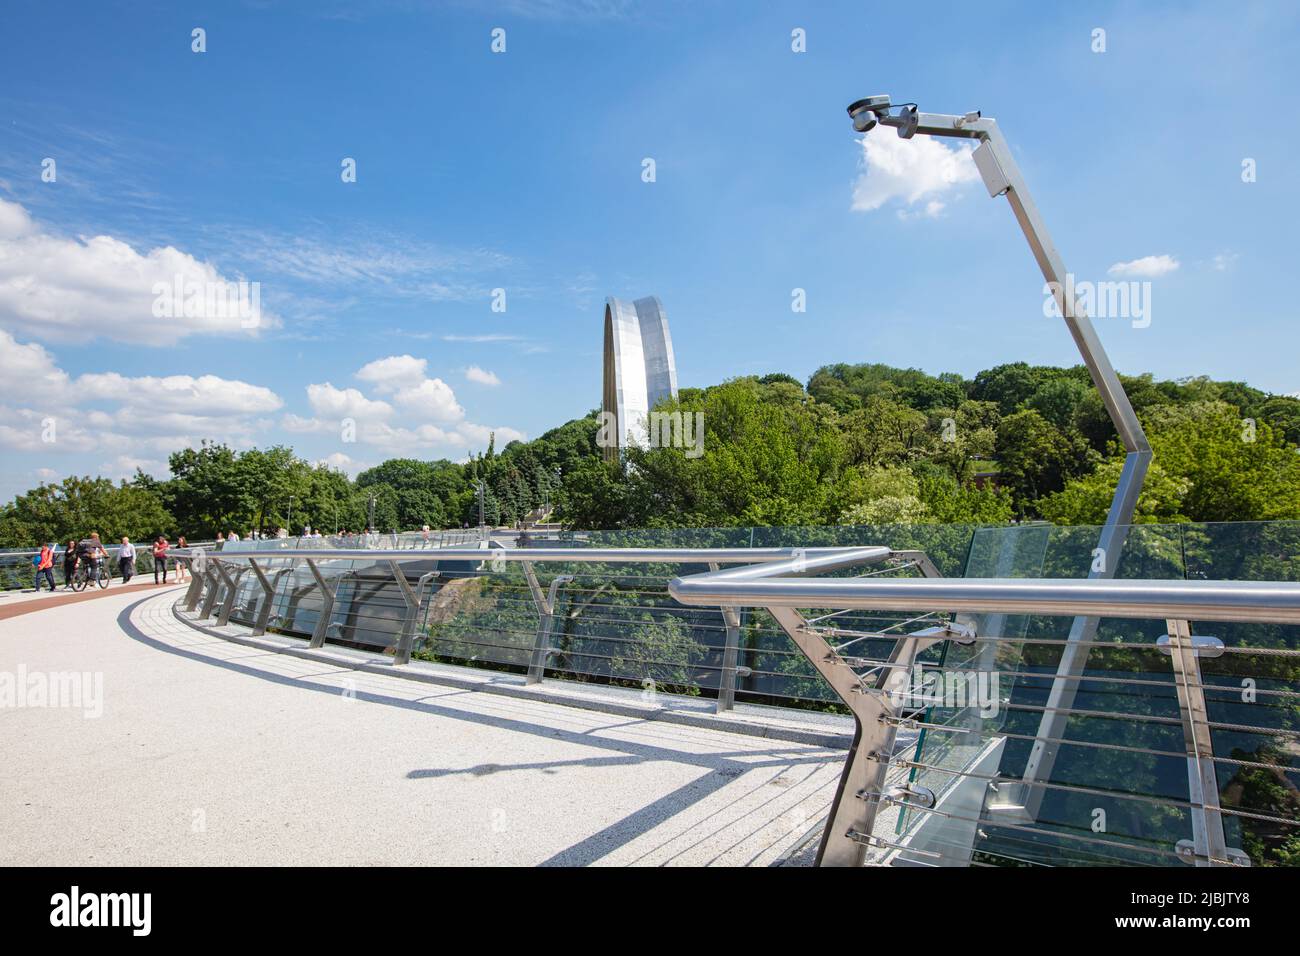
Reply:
x=209, y=752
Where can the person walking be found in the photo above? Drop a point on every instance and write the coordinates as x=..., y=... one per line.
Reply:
x=69, y=562
x=179, y=566
x=45, y=566
x=160, y=547
x=126, y=560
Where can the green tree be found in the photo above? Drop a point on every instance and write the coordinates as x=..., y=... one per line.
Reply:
x=77, y=506
x=1037, y=459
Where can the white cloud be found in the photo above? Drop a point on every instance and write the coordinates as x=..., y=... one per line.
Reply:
x=1224, y=261
x=339, y=403
x=15, y=221
x=480, y=434
x=298, y=424
x=482, y=376
x=375, y=259
x=495, y=337
x=393, y=373
x=428, y=415
x=431, y=399
x=114, y=414
x=344, y=463
x=29, y=371
x=206, y=396
x=1148, y=267
x=910, y=171
x=60, y=288
x=124, y=466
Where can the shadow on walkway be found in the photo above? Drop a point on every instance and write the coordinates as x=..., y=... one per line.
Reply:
x=723, y=767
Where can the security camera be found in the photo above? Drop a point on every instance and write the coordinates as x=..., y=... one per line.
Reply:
x=866, y=113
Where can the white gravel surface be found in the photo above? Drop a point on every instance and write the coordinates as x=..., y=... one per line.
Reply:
x=209, y=752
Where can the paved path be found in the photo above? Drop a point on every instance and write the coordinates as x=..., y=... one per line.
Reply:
x=25, y=602
x=209, y=752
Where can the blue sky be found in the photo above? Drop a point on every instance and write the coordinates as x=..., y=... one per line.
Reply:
x=523, y=171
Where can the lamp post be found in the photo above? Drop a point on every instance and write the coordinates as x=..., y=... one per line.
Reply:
x=289, y=519
x=482, y=488
x=1001, y=175
x=556, y=473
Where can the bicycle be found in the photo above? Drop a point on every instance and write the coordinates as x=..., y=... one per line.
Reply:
x=81, y=577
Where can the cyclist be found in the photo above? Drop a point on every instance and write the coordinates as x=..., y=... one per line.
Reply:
x=90, y=553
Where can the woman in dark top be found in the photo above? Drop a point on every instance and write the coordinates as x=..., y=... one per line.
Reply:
x=69, y=563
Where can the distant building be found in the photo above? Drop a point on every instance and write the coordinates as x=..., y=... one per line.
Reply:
x=639, y=368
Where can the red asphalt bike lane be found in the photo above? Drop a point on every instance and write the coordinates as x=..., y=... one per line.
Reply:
x=72, y=597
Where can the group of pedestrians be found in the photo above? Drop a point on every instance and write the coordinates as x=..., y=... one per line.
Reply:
x=89, y=555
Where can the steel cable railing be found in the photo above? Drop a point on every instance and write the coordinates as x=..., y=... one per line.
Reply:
x=1149, y=713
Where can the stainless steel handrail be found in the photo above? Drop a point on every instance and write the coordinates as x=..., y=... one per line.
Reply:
x=1245, y=601
x=539, y=555
x=782, y=581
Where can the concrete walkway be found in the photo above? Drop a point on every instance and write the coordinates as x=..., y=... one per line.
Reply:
x=209, y=752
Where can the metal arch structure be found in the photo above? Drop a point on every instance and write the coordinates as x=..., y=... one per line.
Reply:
x=1002, y=177
x=639, y=368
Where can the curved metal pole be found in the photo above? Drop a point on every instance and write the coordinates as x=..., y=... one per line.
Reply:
x=1002, y=177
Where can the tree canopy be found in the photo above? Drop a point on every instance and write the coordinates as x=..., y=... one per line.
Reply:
x=860, y=444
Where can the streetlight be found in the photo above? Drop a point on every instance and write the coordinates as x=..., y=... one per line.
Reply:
x=371, y=525
x=556, y=472
x=1001, y=176
x=289, y=520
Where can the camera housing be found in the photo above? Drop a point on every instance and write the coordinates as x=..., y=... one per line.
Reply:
x=866, y=113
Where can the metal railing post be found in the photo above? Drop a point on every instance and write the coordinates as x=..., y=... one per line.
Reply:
x=268, y=590
x=232, y=592
x=1208, y=846
x=412, y=608
x=406, y=639
x=327, y=603
x=546, y=613
x=264, y=612
x=730, y=651
x=193, y=592
x=213, y=589
x=876, y=712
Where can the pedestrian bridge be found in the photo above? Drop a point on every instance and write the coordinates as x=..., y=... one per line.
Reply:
x=580, y=703
x=206, y=751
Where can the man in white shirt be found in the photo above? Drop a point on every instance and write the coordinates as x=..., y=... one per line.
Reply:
x=126, y=560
